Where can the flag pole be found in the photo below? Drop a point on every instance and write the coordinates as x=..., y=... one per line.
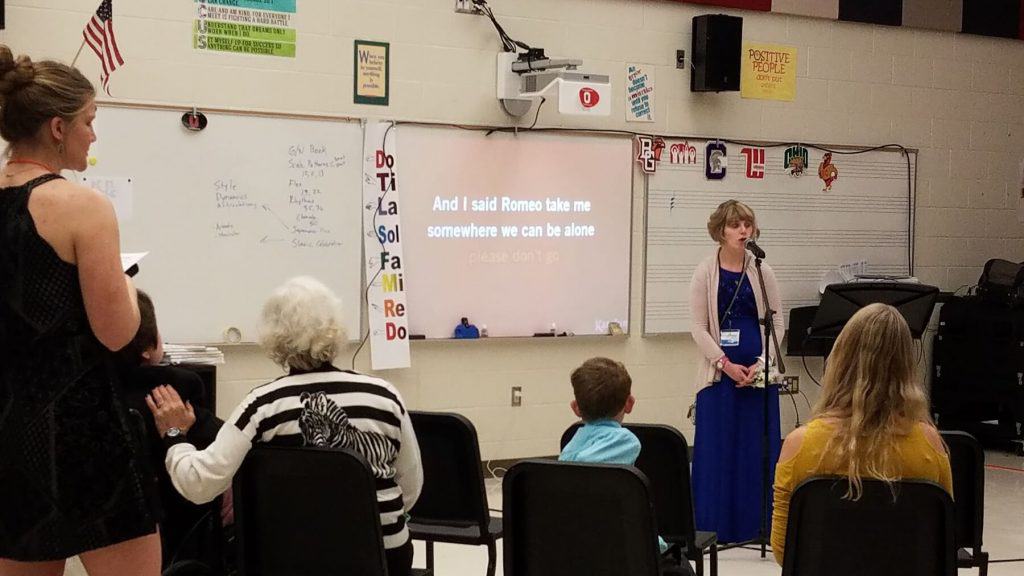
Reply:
x=79, y=53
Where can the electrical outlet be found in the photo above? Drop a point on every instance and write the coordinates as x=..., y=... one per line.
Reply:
x=466, y=7
x=791, y=385
x=517, y=396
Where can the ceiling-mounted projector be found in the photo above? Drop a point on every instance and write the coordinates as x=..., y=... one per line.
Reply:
x=525, y=78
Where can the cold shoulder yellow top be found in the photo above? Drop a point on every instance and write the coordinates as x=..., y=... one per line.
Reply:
x=917, y=459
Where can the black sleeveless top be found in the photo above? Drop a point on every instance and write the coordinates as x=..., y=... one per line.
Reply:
x=69, y=480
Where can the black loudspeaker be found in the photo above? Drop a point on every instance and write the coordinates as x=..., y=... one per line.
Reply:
x=717, y=46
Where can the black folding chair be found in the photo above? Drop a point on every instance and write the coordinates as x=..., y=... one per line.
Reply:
x=309, y=511
x=665, y=460
x=569, y=519
x=191, y=536
x=905, y=528
x=452, y=507
x=967, y=459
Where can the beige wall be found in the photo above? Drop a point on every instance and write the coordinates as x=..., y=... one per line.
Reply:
x=956, y=97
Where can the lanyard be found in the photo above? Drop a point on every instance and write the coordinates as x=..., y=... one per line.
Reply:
x=739, y=284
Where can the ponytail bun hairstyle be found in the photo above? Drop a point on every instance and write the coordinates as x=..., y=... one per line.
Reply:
x=32, y=93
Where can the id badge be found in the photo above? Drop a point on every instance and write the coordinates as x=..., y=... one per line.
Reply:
x=730, y=338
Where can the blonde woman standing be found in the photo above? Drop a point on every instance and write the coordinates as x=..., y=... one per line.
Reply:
x=70, y=479
x=871, y=420
x=726, y=305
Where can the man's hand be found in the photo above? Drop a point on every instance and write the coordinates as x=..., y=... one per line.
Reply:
x=169, y=411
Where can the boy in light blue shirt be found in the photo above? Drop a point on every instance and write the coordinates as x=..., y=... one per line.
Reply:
x=603, y=391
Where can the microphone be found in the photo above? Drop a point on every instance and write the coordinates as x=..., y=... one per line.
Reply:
x=754, y=248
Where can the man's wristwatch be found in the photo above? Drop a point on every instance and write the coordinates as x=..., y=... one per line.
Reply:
x=174, y=435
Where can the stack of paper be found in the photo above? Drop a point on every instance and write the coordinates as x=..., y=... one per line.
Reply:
x=192, y=354
x=845, y=272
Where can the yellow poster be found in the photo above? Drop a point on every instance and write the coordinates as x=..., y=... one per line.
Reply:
x=373, y=73
x=768, y=72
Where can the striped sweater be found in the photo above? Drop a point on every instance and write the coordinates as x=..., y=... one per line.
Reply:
x=326, y=408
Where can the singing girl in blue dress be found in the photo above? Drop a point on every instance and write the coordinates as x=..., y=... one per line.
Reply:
x=726, y=306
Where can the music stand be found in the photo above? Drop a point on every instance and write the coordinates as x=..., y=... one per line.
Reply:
x=841, y=301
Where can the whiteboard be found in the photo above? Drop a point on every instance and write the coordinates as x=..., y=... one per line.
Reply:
x=543, y=223
x=805, y=229
x=229, y=213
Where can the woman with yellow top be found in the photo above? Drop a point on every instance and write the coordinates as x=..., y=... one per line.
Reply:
x=871, y=421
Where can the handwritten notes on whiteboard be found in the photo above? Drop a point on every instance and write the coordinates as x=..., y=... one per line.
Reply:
x=230, y=213
x=299, y=217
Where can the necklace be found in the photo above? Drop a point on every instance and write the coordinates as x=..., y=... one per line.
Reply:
x=32, y=162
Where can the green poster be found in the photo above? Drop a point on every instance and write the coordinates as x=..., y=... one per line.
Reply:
x=214, y=28
x=243, y=45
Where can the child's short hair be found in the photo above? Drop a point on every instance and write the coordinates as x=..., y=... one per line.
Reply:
x=601, y=386
x=146, y=336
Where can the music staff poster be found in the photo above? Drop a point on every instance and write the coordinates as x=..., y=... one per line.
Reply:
x=816, y=210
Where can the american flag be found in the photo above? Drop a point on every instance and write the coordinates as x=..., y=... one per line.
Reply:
x=99, y=35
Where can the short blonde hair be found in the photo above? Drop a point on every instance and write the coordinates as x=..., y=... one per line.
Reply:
x=301, y=324
x=728, y=212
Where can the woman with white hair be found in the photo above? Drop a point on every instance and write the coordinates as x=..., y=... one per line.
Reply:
x=328, y=407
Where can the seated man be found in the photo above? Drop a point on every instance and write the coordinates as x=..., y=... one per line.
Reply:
x=141, y=372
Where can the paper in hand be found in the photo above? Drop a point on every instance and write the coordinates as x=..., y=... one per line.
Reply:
x=130, y=262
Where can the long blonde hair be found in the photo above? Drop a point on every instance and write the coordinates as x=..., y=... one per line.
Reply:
x=872, y=389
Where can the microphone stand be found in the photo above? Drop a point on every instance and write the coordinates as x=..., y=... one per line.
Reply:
x=770, y=338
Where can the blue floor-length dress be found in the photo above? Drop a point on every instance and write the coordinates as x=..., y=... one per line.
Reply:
x=727, y=462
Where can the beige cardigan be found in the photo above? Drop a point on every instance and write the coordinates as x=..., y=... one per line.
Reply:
x=704, y=313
